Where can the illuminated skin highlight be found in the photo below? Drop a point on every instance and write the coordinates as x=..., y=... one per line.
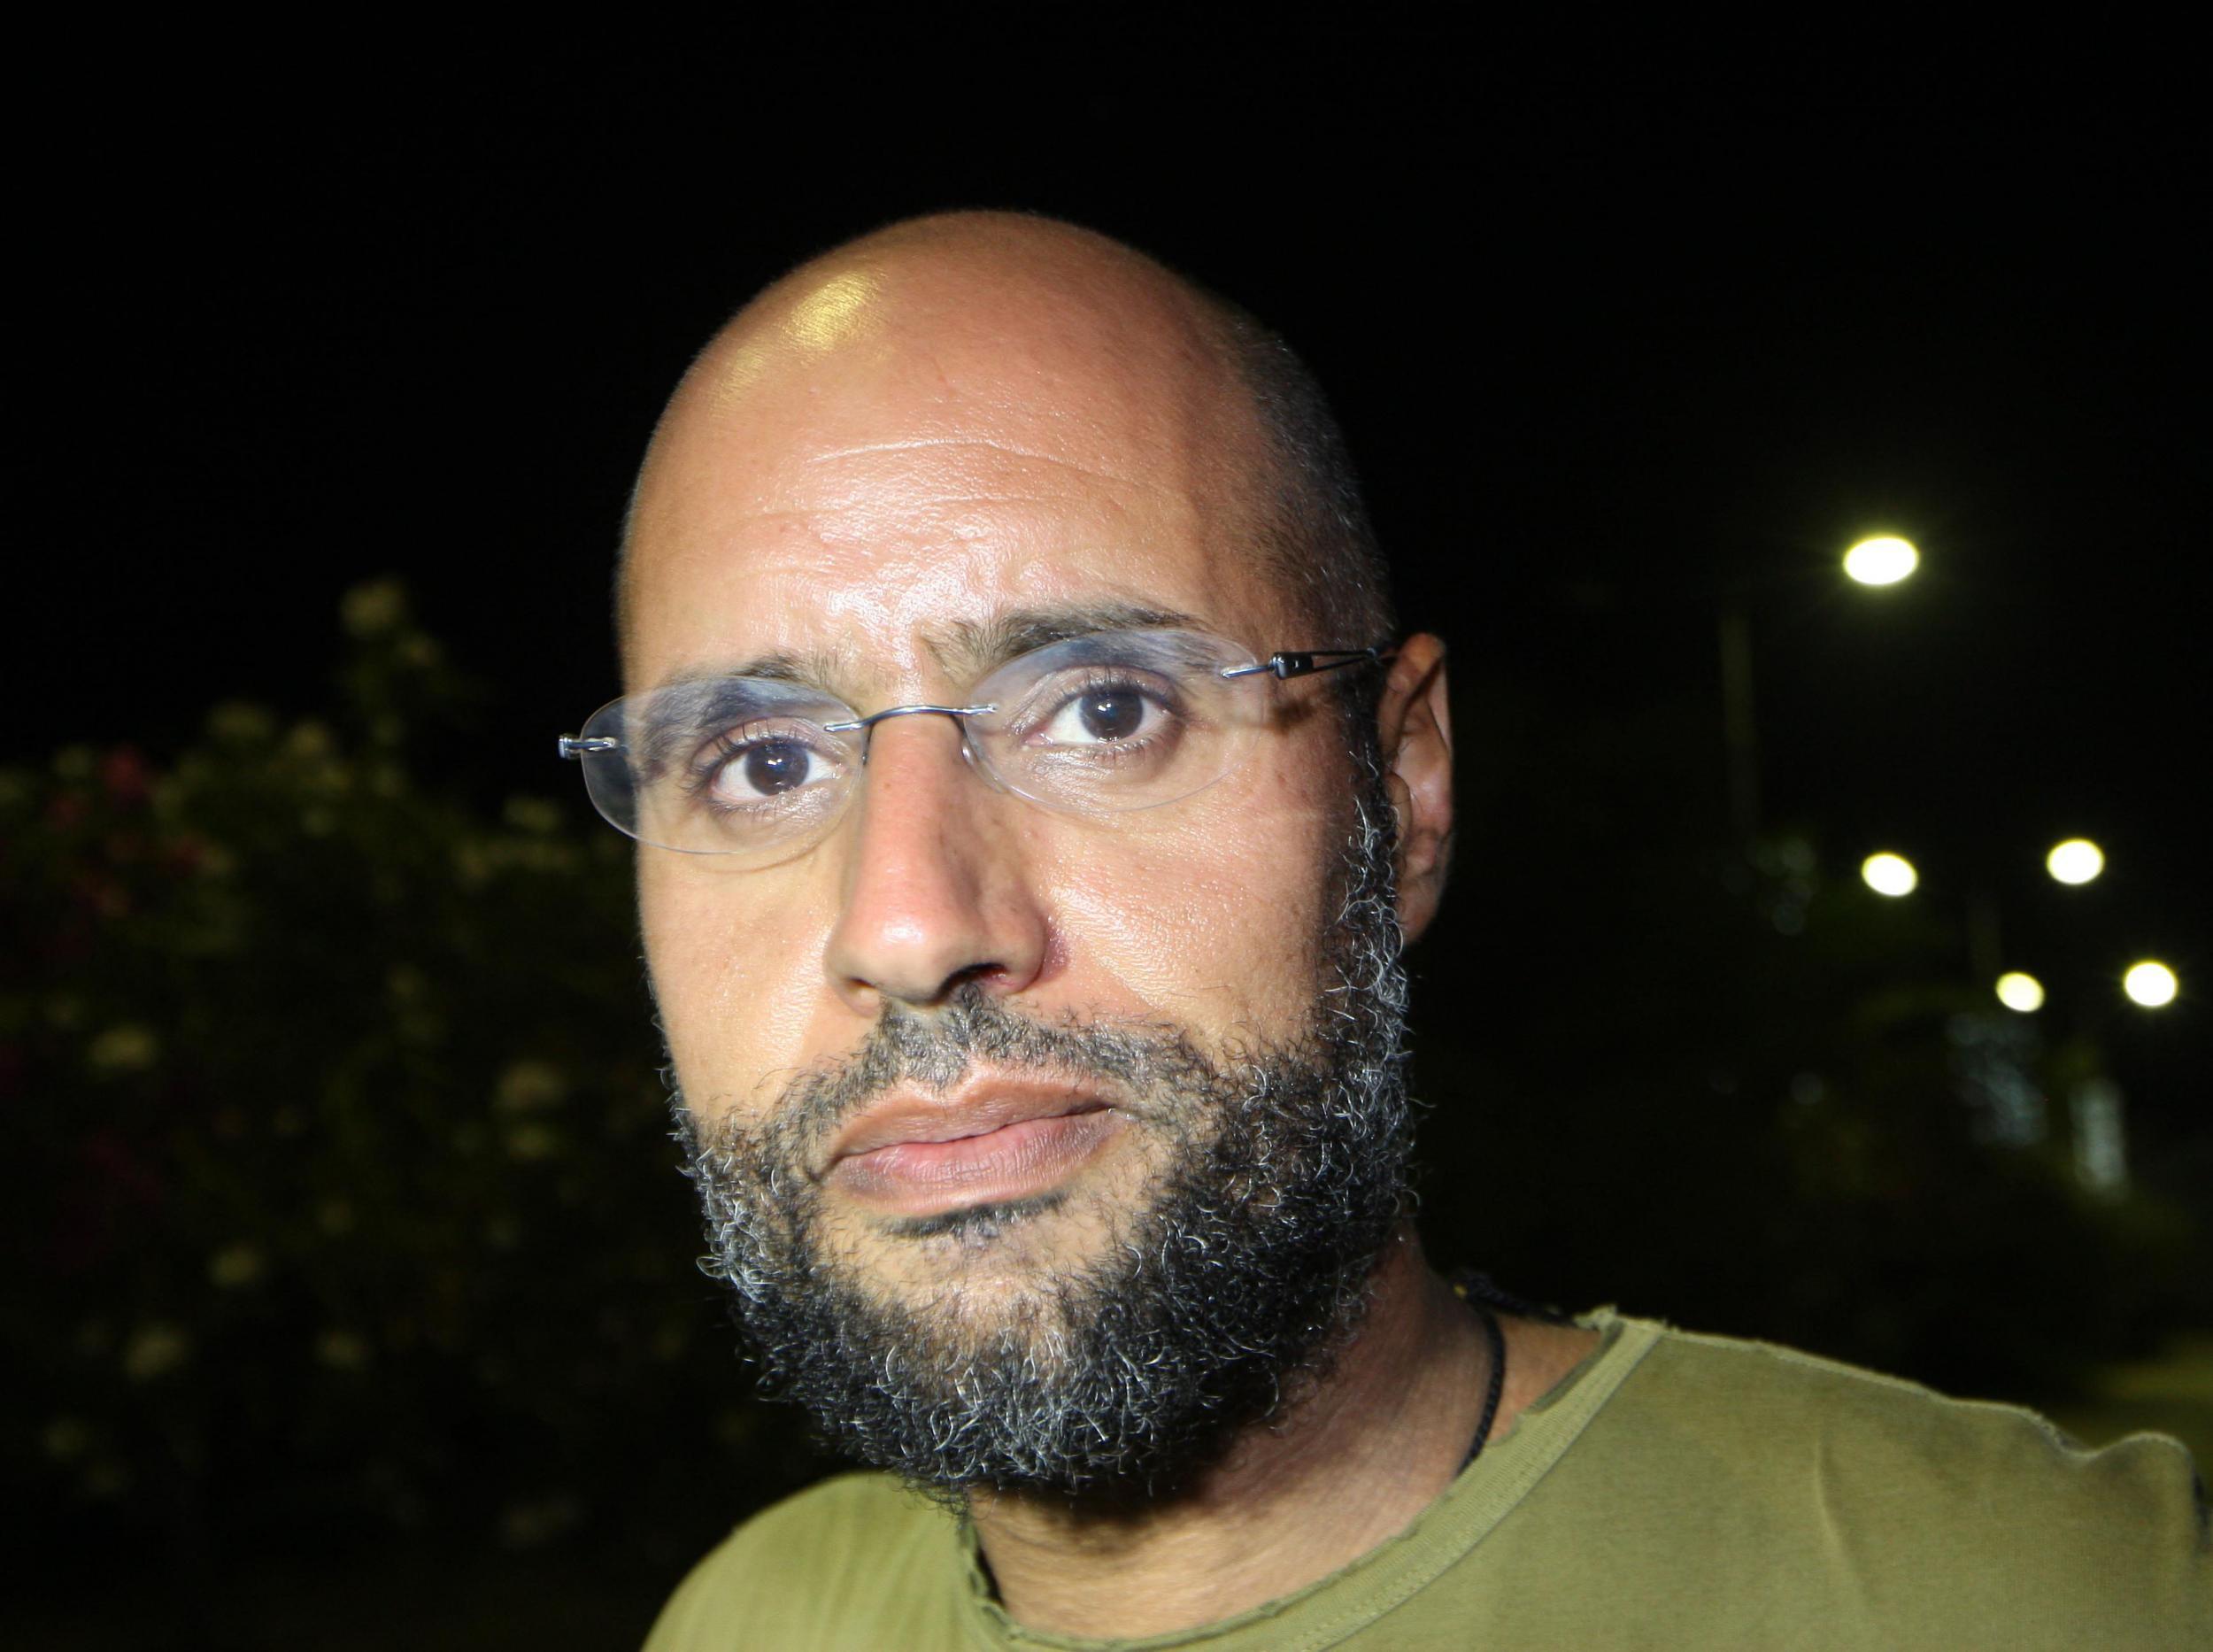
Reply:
x=939, y=424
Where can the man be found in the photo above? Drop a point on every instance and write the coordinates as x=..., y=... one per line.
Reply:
x=1034, y=798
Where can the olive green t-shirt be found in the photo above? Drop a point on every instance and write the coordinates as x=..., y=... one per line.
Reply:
x=1674, y=1491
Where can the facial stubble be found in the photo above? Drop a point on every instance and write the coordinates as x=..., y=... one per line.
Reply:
x=1283, y=1173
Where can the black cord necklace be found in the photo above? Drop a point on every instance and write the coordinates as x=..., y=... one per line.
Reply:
x=1497, y=1338
x=1476, y=1290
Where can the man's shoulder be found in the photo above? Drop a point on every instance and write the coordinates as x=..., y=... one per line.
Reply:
x=1776, y=1393
x=811, y=1569
x=859, y=1510
x=1881, y=1498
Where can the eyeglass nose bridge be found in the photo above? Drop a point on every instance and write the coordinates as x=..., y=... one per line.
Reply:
x=866, y=726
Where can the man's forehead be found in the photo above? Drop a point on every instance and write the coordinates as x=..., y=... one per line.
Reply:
x=933, y=411
x=896, y=451
x=906, y=578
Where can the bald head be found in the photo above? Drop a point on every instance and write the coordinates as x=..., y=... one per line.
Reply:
x=1072, y=349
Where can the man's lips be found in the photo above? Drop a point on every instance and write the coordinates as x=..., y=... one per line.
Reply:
x=987, y=1141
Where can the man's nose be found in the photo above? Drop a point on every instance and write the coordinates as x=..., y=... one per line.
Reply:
x=937, y=889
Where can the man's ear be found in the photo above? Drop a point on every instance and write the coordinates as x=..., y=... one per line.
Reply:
x=1415, y=722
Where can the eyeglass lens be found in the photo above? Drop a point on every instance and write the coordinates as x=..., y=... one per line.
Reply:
x=751, y=768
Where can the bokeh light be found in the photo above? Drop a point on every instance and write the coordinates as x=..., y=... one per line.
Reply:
x=1884, y=560
x=2150, y=983
x=2077, y=861
x=2021, y=992
x=1888, y=874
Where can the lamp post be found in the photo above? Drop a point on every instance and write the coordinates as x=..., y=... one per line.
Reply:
x=1883, y=561
x=1736, y=721
x=2147, y=982
x=2150, y=983
x=2078, y=860
x=1994, y=1052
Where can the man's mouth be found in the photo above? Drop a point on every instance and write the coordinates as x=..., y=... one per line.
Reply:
x=986, y=1142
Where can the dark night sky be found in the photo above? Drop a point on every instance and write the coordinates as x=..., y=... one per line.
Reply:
x=1602, y=337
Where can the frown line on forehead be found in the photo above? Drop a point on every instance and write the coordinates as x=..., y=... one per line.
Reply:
x=965, y=649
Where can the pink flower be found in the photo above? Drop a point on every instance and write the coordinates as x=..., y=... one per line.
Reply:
x=125, y=776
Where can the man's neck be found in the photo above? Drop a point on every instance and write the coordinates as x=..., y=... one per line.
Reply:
x=1347, y=1468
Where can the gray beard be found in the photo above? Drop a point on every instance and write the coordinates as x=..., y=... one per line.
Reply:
x=1117, y=1380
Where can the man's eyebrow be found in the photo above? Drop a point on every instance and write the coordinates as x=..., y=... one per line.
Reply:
x=966, y=648
x=813, y=667
x=976, y=649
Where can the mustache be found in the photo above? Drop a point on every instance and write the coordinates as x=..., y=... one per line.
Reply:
x=935, y=1051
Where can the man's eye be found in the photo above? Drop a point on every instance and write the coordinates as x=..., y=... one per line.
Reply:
x=762, y=769
x=1103, y=715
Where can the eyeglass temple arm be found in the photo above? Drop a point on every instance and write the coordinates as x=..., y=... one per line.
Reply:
x=1307, y=662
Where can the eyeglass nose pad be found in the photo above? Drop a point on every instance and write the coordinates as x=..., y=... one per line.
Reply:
x=979, y=764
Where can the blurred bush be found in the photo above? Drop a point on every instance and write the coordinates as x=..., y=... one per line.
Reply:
x=336, y=1142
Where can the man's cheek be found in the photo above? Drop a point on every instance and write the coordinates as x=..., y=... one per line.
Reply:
x=725, y=991
x=1189, y=942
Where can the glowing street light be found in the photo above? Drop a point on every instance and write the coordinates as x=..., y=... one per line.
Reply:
x=1888, y=874
x=2022, y=993
x=2077, y=861
x=2150, y=983
x=1883, y=561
